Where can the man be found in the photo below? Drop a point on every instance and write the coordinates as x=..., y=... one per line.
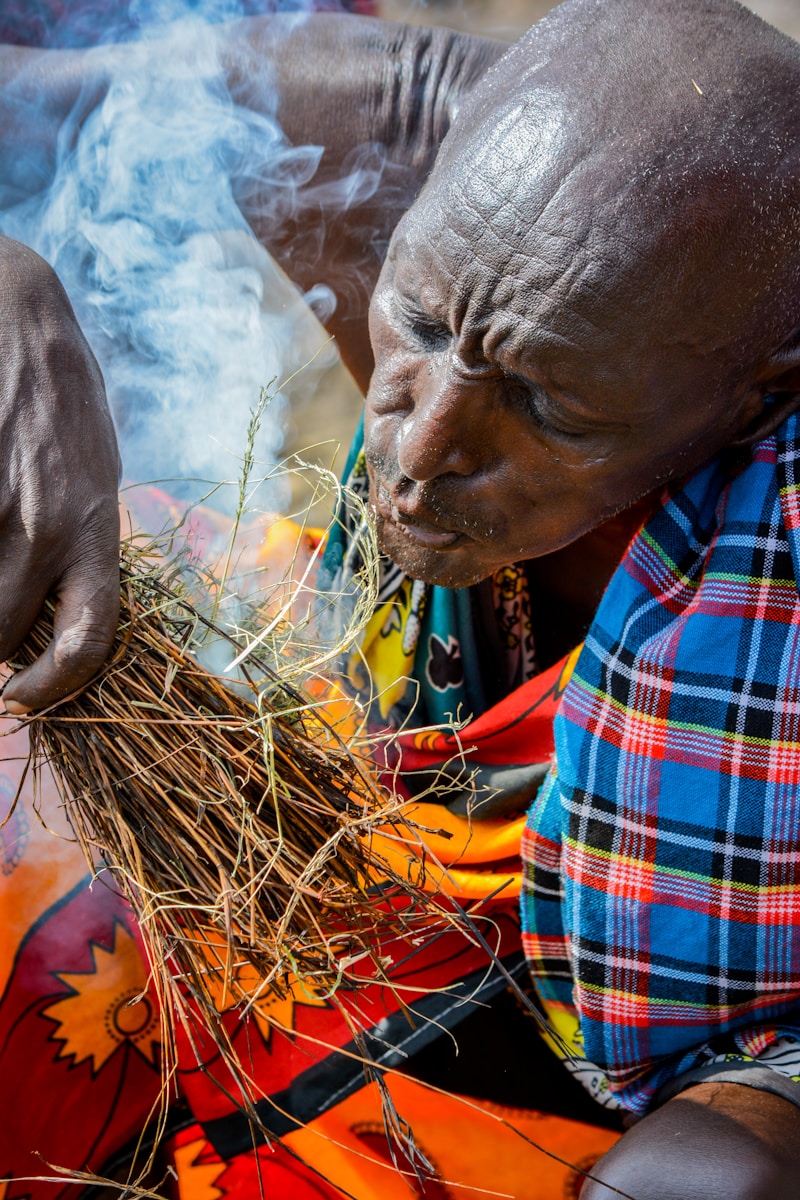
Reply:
x=594, y=295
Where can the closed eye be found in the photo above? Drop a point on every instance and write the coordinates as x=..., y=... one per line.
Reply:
x=541, y=407
x=426, y=330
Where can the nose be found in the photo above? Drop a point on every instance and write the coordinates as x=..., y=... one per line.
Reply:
x=445, y=430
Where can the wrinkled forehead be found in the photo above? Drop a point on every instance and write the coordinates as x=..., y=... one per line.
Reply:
x=528, y=232
x=514, y=185
x=501, y=235
x=635, y=158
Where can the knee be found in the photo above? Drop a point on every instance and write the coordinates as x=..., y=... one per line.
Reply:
x=677, y=1177
x=696, y=1147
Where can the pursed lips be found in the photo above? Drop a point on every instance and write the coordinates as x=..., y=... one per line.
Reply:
x=424, y=533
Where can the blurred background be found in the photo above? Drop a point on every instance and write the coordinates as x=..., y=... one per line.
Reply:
x=509, y=18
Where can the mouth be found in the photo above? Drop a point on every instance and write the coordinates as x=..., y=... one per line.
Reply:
x=423, y=533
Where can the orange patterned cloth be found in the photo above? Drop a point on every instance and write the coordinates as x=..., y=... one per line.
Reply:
x=79, y=1053
x=476, y=1148
x=80, y=1035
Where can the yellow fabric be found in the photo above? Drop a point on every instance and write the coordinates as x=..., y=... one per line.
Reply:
x=386, y=647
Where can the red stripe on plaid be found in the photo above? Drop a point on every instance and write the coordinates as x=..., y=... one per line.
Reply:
x=766, y=451
x=539, y=947
x=673, y=591
x=539, y=851
x=764, y=600
x=790, y=504
x=641, y=1011
x=639, y=733
x=722, y=899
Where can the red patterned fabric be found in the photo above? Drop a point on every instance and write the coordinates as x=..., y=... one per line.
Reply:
x=80, y=1040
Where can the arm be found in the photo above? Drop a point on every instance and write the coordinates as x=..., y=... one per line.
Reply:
x=59, y=470
x=379, y=97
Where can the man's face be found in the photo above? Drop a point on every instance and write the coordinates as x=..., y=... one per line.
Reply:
x=520, y=398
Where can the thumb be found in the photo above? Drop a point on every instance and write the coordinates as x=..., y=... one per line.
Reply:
x=86, y=616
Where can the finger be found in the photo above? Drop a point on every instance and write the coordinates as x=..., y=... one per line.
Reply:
x=18, y=617
x=21, y=599
x=86, y=616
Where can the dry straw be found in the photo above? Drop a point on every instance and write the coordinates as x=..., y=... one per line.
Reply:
x=234, y=809
x=234, y=816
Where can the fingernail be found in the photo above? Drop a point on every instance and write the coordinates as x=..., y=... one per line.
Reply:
x=15, y=708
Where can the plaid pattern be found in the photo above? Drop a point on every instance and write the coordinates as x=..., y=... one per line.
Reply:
x=662, y=901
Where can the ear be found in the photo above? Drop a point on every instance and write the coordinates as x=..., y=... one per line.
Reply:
x=773, y=396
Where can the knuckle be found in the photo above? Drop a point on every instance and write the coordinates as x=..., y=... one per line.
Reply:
x=76, y=657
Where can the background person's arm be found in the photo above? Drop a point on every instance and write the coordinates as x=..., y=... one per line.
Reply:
x=376, y=96
x=379, y=97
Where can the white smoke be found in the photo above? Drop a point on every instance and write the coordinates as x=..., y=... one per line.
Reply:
x=186, y=313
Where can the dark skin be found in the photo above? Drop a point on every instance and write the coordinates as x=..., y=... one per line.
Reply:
x=379, y=82
x=58, y=495
x=595, y=292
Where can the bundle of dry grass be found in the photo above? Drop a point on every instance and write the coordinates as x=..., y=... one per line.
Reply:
x=234, y=819
x=237, y=821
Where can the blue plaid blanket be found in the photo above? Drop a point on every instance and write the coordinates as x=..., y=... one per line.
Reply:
x=662, y=901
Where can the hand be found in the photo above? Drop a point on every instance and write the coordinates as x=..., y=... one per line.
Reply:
x=59, y=474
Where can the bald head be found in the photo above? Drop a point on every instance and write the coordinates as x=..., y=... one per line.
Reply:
x=599, y=286
x=660, y=141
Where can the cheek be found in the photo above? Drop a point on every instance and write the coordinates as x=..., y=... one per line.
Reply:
x=392, y=387
x=383, y=421
x=386, y=339
x=376, y=326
